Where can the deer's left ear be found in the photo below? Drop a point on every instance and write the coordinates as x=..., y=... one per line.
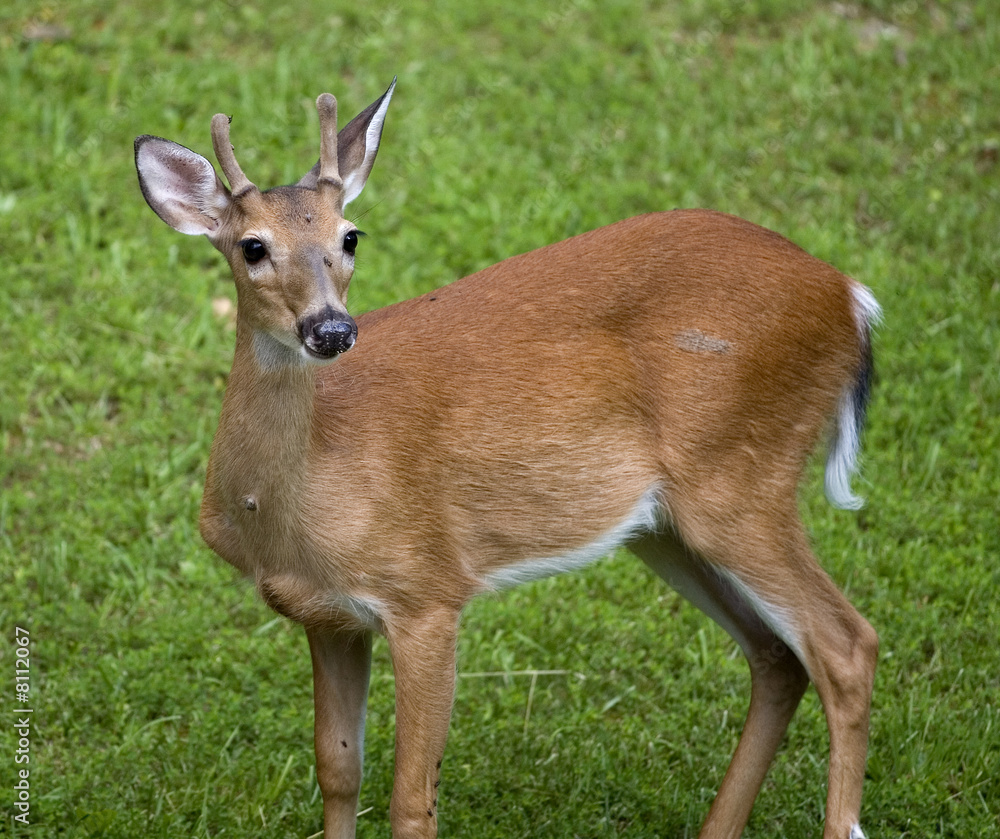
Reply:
x=357, y=145
x=180, y=186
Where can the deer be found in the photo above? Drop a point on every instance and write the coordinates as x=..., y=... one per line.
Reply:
x=658, y=384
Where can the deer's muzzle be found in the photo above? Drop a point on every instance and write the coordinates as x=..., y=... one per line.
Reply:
x=328, y=333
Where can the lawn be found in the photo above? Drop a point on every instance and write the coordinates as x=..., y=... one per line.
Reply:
x=167, y=701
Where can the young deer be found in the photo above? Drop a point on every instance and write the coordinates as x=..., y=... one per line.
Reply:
x=674, y=373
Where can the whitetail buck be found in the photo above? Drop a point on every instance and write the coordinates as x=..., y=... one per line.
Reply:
x=658, y=384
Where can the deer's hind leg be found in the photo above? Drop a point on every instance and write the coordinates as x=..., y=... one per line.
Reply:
x=765, y=588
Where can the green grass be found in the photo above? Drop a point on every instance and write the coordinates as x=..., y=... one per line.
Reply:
x=169, y=702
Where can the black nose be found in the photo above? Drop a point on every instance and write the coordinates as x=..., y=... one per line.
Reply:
x=328, y=333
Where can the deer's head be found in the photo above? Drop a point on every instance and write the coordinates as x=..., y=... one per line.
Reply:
x=290, y=248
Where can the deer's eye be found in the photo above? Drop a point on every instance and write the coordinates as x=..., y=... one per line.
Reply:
x=351, y=241
x=253, y=250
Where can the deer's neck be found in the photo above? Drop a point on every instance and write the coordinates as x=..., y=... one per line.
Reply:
x=259, y=460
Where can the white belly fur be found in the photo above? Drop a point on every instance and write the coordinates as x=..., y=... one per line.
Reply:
x=643, y=518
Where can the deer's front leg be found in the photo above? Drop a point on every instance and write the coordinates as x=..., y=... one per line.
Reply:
x=341, y=666
x=423, y=660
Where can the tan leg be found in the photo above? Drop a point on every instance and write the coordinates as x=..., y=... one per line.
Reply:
x=423, y=660
x=792, y=624
x=778, y=681
x=341, y=667
x=844, y=682
x=839, y=650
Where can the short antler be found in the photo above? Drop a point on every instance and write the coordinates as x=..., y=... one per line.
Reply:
x=329, y=168
x=238, y=182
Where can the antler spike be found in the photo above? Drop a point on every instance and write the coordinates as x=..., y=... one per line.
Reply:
x=329, y=168
x=238, y=182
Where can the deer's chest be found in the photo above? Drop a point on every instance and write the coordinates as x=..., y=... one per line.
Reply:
x=301, y=573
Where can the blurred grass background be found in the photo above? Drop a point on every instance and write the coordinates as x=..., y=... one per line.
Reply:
x=169, y=702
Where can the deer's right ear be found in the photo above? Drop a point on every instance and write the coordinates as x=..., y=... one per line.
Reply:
x=180, y=186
